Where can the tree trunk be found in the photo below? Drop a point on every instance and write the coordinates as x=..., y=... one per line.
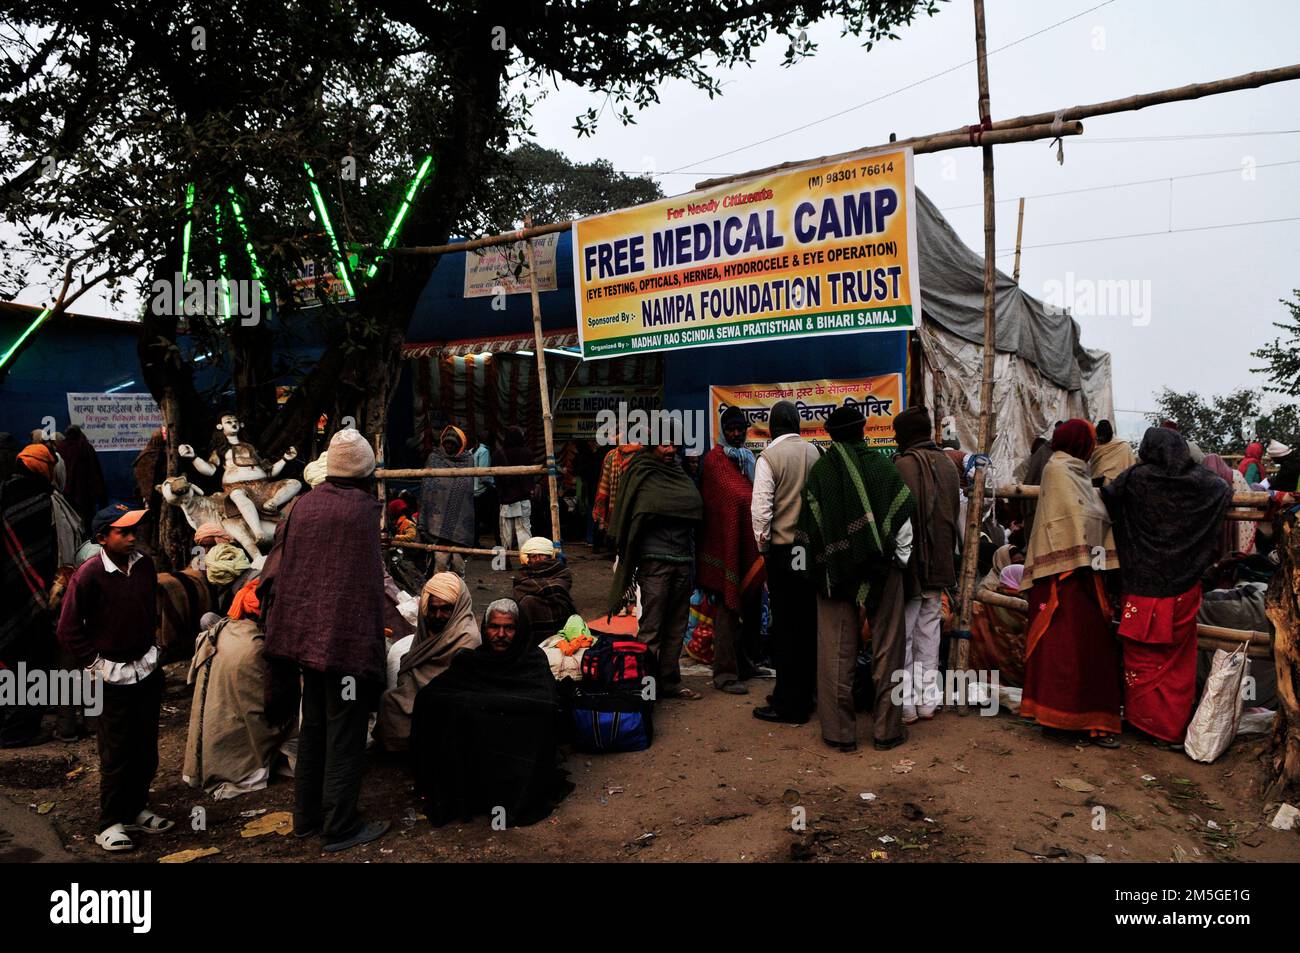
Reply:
x=1284, y=612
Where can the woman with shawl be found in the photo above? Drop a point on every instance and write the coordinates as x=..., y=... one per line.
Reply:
x=1071, y=659
x=446, y=625
x=1251, y=466
x=1168, y=513
x=997, y=641
x=1236, y=536
x=447, y=503
x=483, y=737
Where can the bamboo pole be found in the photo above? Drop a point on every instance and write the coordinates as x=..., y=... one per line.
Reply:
x=507, y=238
x=936, y=142
x=381, y=489
x=442, y=548
x=1260, y=644
x=420, y=473
x=547, y=422
x=960, y=651
x=1028, y=491
x=1020, y=230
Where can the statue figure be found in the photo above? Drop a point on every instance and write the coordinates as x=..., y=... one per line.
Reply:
x=200, y=509
x=250, y=484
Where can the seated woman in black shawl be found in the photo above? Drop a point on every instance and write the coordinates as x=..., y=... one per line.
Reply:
x=483, y=734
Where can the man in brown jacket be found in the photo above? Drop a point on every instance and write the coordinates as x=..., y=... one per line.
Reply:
x=933, y=480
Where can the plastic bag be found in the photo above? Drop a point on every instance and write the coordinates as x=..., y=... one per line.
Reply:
x=1214, y=723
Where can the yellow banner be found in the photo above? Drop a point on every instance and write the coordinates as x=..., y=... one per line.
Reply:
x=877, y=398
x=575, y=413
x=806, y=252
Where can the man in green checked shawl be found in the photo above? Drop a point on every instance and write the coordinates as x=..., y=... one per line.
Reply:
x=856, y=526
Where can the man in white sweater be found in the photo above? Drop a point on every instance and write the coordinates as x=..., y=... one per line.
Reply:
x=778, y=483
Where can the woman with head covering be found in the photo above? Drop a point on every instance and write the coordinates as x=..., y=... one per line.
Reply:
x=447, y=503
x=1071, y=659
x=997, y=641
x=483, y=736
x=1237, y=536
x=1251, y=466
x=446, y=625
x=1168, y=513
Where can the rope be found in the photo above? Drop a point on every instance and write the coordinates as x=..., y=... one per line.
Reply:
x=1058, y=127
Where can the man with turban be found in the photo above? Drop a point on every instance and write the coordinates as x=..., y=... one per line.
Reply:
x=855, y=524
x=543, y=588
x=446, y=625
x=447, y=503
x=779, y=478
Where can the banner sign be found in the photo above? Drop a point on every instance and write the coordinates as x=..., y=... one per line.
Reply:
x=801, y=253
x=115, y=421
x=877, y=398
x=503, y=269
x=575, y=412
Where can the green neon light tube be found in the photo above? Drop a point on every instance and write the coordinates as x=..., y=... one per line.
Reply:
x=221, y=264
x=248, y=244
x=31, y=329
x=319, y=202
x=400, y=217
x=185, y=246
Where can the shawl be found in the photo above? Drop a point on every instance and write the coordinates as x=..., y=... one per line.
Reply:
x=1168, y=513
x=611, y=476
x=483, y=735
x=1001, y=560
x=429, y=656
x=744, y=458
x=447, y=503
x=1070, y=523
x=854, y=503
x=29, y=552
x=232, y=743
x=84, y=484
x=937, y=491
x=727, y=555
x=1109, y=460
x=69, y=529
x=543, y=594
x=1254, y=457
x=327, y=607
x=650, y=486
x=515, y=453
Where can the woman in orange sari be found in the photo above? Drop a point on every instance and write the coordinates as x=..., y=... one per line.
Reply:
x=1072, y=661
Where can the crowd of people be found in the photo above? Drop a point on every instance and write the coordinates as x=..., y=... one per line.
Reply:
x=832, y=570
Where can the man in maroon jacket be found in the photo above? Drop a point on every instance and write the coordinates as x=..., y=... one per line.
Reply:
x=326, y=615
x=107, y=624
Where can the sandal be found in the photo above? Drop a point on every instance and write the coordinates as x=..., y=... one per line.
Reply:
x=149, y=823
x=114, y=840
x=1105, y=741
x=684, y=693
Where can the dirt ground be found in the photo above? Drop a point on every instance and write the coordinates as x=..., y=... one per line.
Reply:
x=717, y=785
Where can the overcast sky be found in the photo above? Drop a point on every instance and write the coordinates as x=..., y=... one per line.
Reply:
x=1212, y=293
x=1203, y=299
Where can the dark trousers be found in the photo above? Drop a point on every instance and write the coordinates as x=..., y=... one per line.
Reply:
x=792, y=600
x=485, y=515
x=665, y=608
x=331, y=754
x=20, y=724
x=127, y=734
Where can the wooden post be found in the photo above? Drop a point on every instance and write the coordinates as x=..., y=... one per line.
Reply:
x=380, y=487
x=551, y=483
x=960, y=650
x=1020, y=229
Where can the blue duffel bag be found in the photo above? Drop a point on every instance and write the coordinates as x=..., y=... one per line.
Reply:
x=611, y=721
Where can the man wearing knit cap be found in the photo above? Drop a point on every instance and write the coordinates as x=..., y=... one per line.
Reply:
x=326, y=615
x=779, y=479
x=933, y=482
x=855, y=525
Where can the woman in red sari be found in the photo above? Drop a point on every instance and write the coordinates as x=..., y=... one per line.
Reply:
x=1168, y=516
x=1072, y=680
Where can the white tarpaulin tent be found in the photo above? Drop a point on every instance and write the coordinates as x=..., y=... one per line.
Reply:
x=1042, y=373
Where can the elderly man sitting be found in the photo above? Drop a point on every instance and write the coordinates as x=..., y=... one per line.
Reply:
x=483, y=737
x=543, y=588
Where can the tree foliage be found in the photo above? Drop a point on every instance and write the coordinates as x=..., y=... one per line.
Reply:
x=1282, y=354
x=1224, y=424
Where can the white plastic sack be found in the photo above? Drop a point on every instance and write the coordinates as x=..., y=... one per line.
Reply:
x=408, y=607
x=1214, y=724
